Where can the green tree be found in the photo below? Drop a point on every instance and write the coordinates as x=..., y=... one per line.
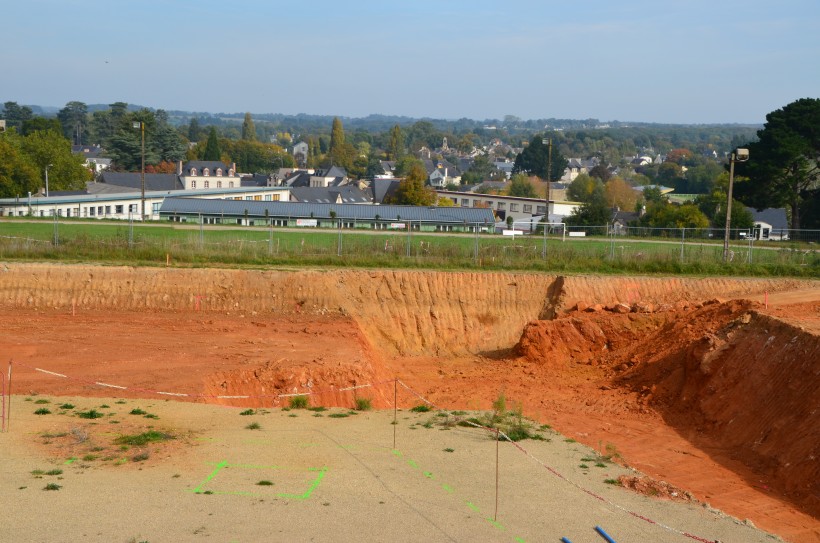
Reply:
x=40, y=124
x=784, y=164
x=18, y=175
x=194, y=130
x=74, y=120
x=395, y=148
x=666, y=215
x=534, y=158
x=600, y=171
x=412, y=190
x=212, y=151
x=337, y=140
x=248, y=130
x=583, y=187
x=15, y=115
x=520, y=186
x=594, y=211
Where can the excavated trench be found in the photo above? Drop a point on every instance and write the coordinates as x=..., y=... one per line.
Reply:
x=720, y=373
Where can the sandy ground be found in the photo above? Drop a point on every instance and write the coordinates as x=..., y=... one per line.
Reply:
x=333, y=479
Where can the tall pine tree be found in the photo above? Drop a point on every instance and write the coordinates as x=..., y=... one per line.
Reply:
x=212, y=151
x=248, y=129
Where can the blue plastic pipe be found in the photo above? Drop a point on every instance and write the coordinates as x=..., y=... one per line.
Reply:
x=565, y=540
x=604, y=534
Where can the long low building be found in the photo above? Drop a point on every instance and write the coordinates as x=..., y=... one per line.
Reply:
x=315, y=215
x=126, y=205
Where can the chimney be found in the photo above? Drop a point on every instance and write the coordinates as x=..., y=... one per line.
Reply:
x=233, y=167
x=179, y=168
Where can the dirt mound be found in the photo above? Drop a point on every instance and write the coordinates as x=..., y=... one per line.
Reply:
x=655, y=489
x=722, y=375
x=741, y=379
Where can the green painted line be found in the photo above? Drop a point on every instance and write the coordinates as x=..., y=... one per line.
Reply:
x=396, y=452
x=412, y=464
x=313, y=486
x=205, y=439
x=520, y=540
x=447, y=488
x=70, y=460
x=496, y=524
x=472, y=506
x=428, y=475
x=218, y=468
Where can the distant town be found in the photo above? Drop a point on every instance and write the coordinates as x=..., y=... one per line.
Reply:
x=119, y=161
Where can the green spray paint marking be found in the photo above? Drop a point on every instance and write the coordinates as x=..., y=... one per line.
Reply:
x=313, y=486
x=70, y=460
x=447, y=488
x=211, y=476
x=496, y=524
x=252, y=466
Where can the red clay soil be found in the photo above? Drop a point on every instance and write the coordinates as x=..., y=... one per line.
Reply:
x=717, y=399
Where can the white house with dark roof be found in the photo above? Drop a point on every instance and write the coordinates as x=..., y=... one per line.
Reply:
x=204, y=174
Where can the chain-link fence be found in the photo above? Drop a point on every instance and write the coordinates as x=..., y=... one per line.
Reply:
x=590, y=247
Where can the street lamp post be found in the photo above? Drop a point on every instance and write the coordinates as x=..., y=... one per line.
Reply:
x=548, y=143
x=739, y=155
x=141, y=126
x=47, y=167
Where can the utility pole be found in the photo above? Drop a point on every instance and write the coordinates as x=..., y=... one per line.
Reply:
x=548, y=143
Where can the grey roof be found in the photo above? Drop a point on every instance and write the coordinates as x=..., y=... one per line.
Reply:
x=201, y=164
x=348, y=194
x=774, y=216
x=255, y=180
x=88, y=151
x=153, y=181
x=298, y=210
x=382, y=188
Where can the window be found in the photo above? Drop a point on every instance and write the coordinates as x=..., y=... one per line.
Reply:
x=155, y=207
x=513, y=207
x=193, y=184
x=132, y=208
x=230, y=173
x=118, y=210
x=230, y=184
x=249, y=197
x=206, y=172
x=527, y=208
x=501, y=206
x=99, y=210
x=108, y=210
x=193, y=171
x=257, y=197
x=267, y=197
x=275, y=197
x=207, y=184
x=219, y=172
x=219, y=184
x=91, y=211
x=465, y=202
x=540, y=209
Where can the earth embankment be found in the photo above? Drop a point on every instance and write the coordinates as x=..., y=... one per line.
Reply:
x=404, y=313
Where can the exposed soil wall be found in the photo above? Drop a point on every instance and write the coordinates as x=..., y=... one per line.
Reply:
x=400, y=312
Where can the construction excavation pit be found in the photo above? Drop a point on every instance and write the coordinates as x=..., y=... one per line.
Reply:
x=705, y=388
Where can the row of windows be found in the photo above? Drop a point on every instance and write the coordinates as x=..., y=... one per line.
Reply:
x=208, y=184
x=206, y=172
x=501, y=206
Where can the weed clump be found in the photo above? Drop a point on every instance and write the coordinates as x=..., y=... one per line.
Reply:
x=90, y=414
x=247, y=412
x=363, y=404
x=138, y=440
x=421, y=408
x=253, y=426
x=299, y=402
x=42, y=411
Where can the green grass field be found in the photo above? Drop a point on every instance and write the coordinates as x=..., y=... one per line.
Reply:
x=119, y=243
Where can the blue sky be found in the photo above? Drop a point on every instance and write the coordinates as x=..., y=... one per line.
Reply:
x=633, y=60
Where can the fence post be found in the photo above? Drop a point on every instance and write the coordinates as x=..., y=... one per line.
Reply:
x=56, y=233
x=201, y=233
x=409, y=236
x=682, y=241
x=475, y=246
x=130, y=230
x=339, y=245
